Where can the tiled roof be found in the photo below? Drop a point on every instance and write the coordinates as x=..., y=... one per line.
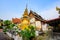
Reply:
x=16, y=20
x=36, y=15
x=56, y=19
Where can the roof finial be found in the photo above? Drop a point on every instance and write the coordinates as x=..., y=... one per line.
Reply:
x=26, y=11
x=26, y=6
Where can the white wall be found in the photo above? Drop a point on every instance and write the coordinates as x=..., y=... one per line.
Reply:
x=45, y=27
x=38, y=25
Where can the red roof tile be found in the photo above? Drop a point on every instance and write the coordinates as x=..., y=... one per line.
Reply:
x=16, y=20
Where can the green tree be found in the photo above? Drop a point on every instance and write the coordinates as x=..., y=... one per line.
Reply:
x=8, y=25
x=7, y=22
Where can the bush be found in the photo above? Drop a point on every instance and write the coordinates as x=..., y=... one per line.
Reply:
x=27, y=34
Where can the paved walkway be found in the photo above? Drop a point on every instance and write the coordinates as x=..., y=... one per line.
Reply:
x=53, y=36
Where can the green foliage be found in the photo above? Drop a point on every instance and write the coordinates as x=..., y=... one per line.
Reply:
x=7, y=22
x=1, y=27
x=28, y=33
x=8, y=25
x=11, y=26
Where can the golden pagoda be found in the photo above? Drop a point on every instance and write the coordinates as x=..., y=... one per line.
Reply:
x=25, y=12
x=25, y=20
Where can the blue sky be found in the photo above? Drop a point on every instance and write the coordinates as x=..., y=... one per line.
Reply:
x=15, y=8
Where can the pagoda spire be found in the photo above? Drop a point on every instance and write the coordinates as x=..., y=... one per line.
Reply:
x=25, y=12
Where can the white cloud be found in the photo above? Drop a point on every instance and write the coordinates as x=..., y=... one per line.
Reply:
x=51, y=13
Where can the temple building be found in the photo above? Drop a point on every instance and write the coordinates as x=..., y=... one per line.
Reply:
x=55, y=23
x=30, y=18
x=38, y=21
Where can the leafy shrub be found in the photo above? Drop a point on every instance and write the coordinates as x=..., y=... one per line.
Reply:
x=28, y=33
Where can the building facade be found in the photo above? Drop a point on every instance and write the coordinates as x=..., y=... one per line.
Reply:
x=38, y=21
